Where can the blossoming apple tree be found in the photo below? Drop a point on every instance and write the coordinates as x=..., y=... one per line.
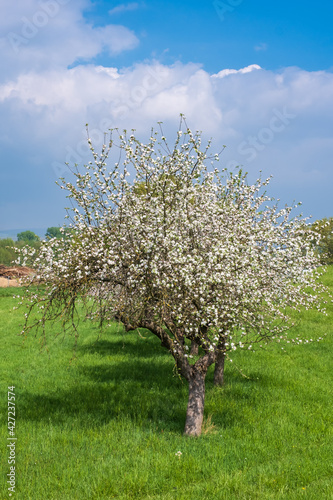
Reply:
x=162, y=240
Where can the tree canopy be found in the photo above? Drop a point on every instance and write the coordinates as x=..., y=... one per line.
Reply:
x=190, y=253
x=27, y=236
x=53, y=232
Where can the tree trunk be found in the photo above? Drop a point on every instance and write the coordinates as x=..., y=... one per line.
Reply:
x=196, y=401
x=219, y=368
x=194, y=348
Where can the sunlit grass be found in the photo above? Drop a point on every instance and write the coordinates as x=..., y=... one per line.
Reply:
x=109, y=423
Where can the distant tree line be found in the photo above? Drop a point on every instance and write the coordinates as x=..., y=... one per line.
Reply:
x=9, y=247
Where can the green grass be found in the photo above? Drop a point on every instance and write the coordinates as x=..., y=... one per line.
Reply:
x=109, y=423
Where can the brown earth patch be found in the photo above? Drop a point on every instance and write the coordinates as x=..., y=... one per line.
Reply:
x=5, y=282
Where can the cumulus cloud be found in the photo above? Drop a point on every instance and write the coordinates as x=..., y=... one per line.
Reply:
x=54, y=34
x=277, y=121
x=250, y=109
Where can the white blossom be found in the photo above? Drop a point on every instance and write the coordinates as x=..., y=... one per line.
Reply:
x=195, y=254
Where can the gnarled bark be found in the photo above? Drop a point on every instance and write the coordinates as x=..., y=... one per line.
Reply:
x=196, y=402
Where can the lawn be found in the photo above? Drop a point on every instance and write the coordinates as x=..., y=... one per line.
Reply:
x=108, y=422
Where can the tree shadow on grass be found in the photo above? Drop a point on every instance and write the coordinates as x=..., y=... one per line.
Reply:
x=140, y=387
x=145, y=347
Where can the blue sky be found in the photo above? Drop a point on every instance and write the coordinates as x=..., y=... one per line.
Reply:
x=254, y=75
x=224, y=34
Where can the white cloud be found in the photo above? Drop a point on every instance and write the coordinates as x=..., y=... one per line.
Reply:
x=279, y=122
x=261, y=47
x=116, y=38
x=54, y=34
x=230, y=104
x=124, y=8
x=227, y=72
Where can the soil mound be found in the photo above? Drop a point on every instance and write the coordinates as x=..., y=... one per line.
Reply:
x=10, y=275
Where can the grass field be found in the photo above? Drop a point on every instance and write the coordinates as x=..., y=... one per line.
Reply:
x=109, y=423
